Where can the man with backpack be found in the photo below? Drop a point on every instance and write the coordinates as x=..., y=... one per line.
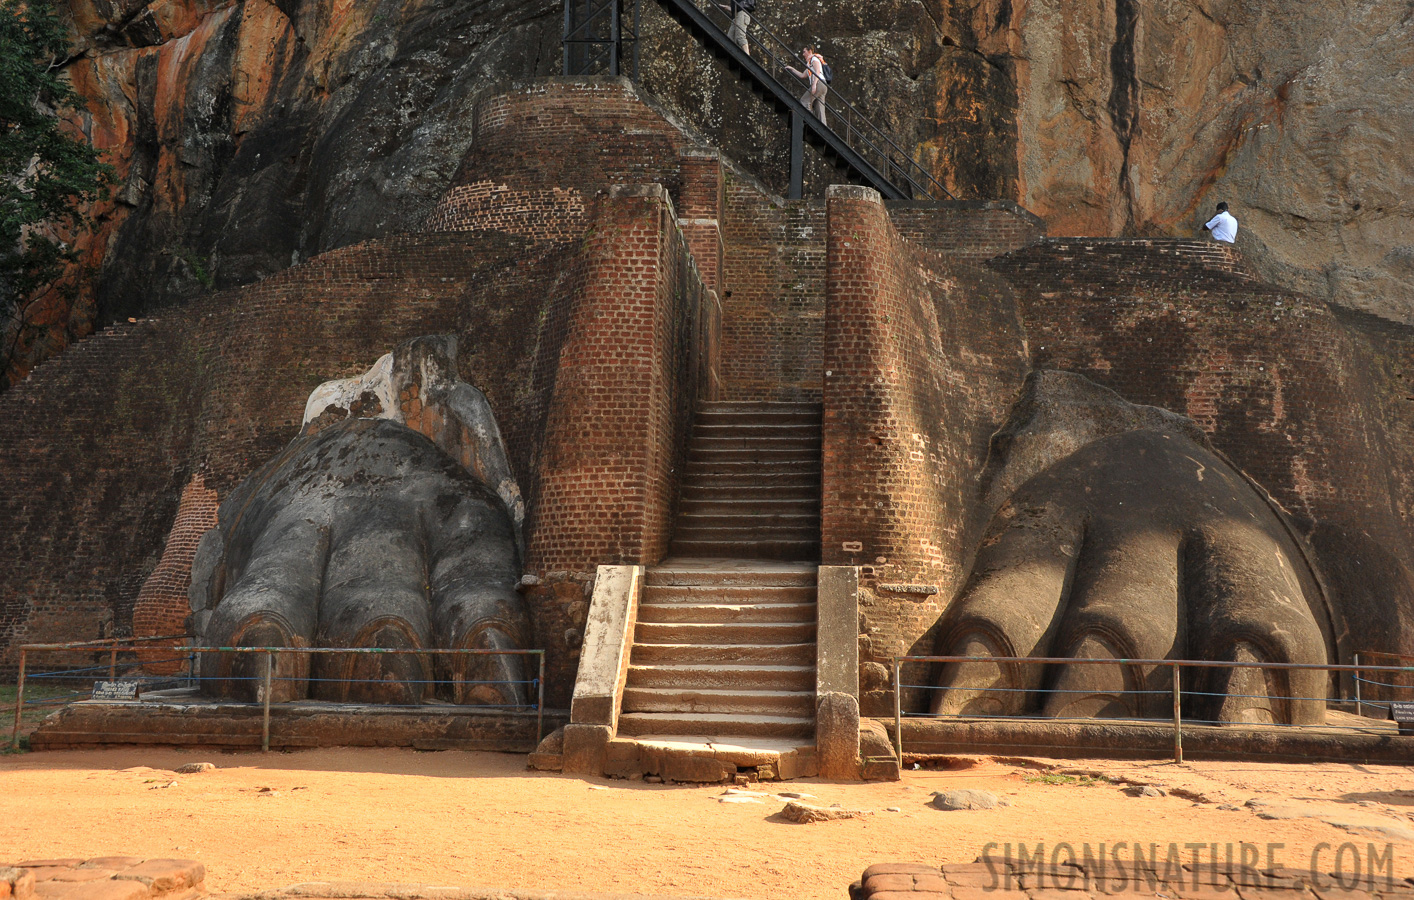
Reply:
x=740, y=11
x=818, y=76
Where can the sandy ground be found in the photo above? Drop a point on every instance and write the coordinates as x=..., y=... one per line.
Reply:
x=483, y=820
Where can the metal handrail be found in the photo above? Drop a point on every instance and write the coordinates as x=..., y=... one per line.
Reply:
x=776, y=53
x=270, y=653
x=1175, y=666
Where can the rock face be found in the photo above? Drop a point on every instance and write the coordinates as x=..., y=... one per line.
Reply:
x=251, y=134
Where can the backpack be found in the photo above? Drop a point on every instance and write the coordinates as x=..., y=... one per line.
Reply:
x=828, y=72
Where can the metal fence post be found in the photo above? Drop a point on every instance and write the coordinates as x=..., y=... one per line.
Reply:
x=1177, y=720
x=269, y=671
x=1359, y=707
x=19, y=703
x=898, y=715
x=540, y=703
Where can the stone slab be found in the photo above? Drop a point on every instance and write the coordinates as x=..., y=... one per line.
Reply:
x=1121, y=740
x=214, y=724
x=608, y=640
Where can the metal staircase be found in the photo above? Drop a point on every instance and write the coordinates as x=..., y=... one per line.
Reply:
x=596, y=35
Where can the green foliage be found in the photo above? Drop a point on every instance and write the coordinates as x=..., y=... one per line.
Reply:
x=47, y=173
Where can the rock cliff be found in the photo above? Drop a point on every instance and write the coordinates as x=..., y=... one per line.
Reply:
x=252, y=134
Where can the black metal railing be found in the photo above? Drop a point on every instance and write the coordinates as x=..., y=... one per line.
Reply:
x=845, y=119
x=601, y=38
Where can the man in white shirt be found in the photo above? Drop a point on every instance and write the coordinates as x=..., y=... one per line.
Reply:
x=1223, y=226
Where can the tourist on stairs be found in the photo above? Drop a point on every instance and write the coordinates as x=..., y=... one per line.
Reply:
x=814, y=97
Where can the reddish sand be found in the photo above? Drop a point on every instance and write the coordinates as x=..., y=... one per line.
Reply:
x=481, y=819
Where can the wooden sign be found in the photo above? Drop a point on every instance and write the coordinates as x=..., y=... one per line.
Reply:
x=117, y=691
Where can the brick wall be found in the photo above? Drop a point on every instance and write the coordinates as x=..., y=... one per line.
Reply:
x=922, y=358
x=966, y=231
x=1275, y=378
x=582, y=133
x=627, y=381
x=555, y=214
x=162, y=604
x=774, y=297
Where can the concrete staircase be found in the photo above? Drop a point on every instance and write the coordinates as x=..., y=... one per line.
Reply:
x=723, y=648
x=751, y=488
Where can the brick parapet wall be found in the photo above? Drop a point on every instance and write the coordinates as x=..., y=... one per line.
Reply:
x=1274, y=377
x=573, y=133
x=162, y=604
x=633, y=365
x=774, y=295
x=966, y=231
x=701, y=211
x=554, y=214
x=922, y=357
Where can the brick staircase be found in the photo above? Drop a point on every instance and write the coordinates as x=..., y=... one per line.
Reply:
x=751, y=488
x=723, y=659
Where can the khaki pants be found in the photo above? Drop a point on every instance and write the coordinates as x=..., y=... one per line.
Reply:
x=738, y=31
x=814, y=100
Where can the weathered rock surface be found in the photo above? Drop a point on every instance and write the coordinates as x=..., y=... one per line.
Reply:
x=805, y=813
x=250, y=135
x=967, y=798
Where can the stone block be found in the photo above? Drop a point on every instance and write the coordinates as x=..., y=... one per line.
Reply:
x=165, y=875
x=111, y=889
x=837, y=736
x=899, y=869
x=22, y=886
x=794, y=764
x=585, y=748
x=621, y=759
x=894, y=881
x=696, y=769
x=112, y=862
x=608, y=638
x=546, y=762
x=84, y=874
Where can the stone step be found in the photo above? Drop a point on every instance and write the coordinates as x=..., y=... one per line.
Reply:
x=710, y=530
x=796, y=488
x=771, y=470
x=715, y=725
x=725, y=613
x=726, y=702
x=731, y=573
x=756, y=594
x=805, y=413
x=768, y=457
x=804, y=550
x=775, y=439
x=723, y=432
x=732, y=633
x=760, y=677
x=703, y=654
x=746, y=506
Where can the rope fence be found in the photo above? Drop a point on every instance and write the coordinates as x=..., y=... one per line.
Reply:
x=73, y=683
